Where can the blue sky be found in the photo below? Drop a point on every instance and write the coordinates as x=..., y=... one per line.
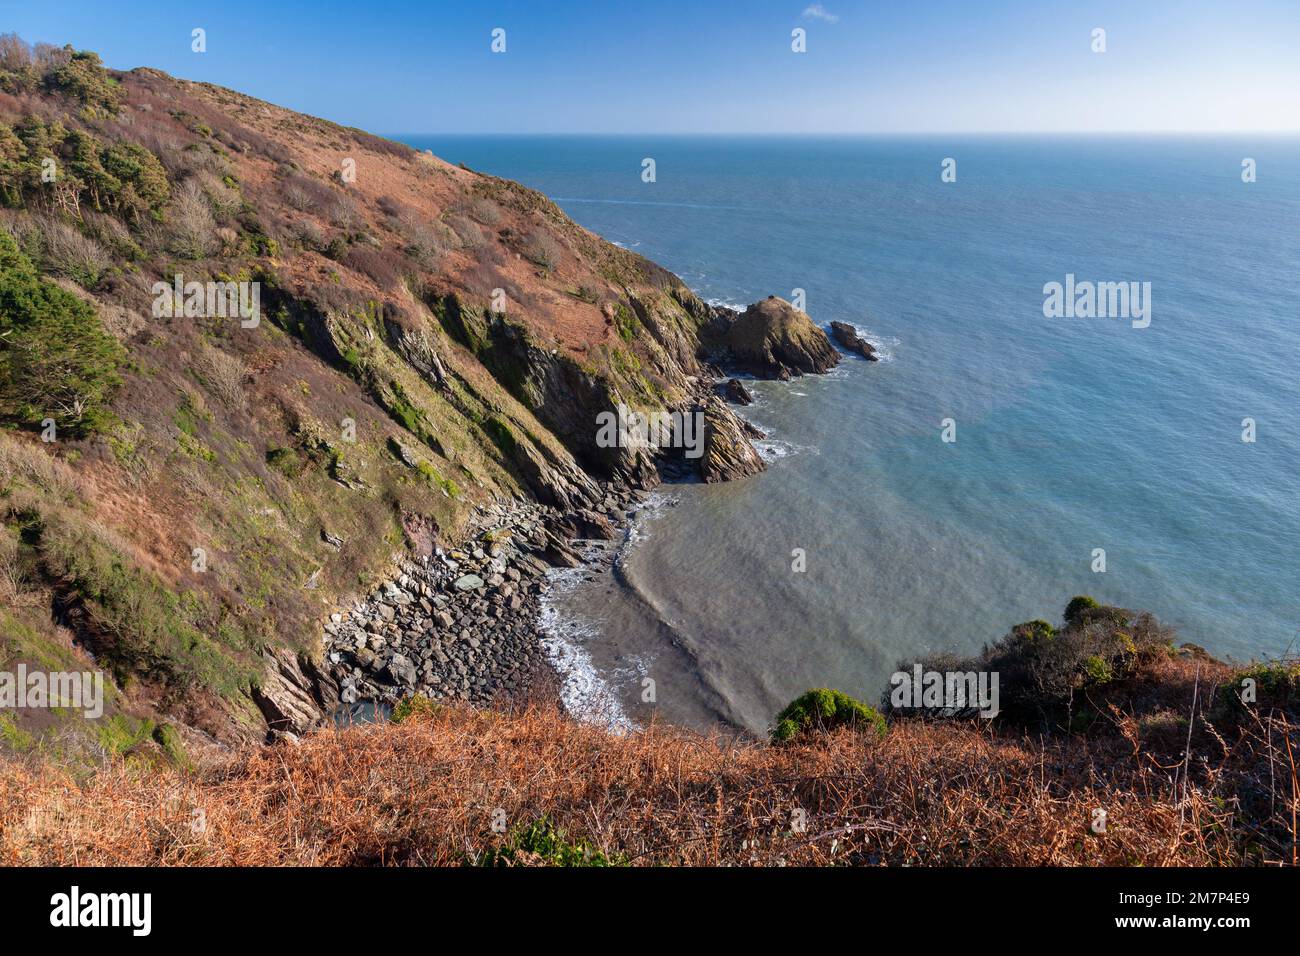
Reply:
x=667, y=66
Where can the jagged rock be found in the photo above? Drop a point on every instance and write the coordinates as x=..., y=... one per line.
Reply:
x=558, y=554
x=771, y=339
x=848, y=337
x=284, y=695
x=402, y=672
x=403, y=452
x=734, y=391
x=728, y=455
x=468, y=582
x=588, y=524
x=417, y=347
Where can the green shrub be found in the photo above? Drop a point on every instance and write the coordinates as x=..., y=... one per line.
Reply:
x=1277, y=684
x=1034, y=632
x=825, y=709
x=1098, y=669
x=542, y=843
x=84, y=78
x=416, y=706
x=1043, y=670
x=626, y=322
x=1078, y=606
x=56, y=360
x=1275, y=678
x=287, y=461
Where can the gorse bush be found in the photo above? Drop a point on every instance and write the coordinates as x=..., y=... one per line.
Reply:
x=1078, y=607
x=56, y=360
x=1273, y=685
x=1046, y=673
x=824, y=709
x=414, y=708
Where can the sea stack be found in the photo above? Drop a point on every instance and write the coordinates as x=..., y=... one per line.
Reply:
x=770, y=339
x=848, y=337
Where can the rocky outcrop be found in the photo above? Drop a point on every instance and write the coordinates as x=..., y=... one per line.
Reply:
x=292, y=697
x=770, y=339
x=564, y=396
x=733, y=390
x=728, y=455
x=847, y=336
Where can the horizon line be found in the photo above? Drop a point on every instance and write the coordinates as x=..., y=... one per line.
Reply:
x=863, y=133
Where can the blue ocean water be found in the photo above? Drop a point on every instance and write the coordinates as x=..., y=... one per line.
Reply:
x=1072, y=434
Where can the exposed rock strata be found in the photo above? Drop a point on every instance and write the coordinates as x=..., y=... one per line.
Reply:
x=733, y=390
x=728, y=454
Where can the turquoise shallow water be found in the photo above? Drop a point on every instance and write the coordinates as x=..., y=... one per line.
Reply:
x=1072, y=434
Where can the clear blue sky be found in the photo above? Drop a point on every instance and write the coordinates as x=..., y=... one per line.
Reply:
x=663, y=66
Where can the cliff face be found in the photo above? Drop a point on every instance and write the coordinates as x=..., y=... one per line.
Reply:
x=427, y=340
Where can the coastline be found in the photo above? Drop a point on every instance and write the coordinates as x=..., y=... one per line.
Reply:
x=480, y=621
x=466, y=623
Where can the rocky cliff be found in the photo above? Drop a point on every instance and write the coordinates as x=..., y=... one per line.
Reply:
x=190, y=488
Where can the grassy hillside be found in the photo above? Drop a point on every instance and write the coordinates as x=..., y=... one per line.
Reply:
x=186, y=496
x=1162, y=758
x=563, y=793
x=181, y=494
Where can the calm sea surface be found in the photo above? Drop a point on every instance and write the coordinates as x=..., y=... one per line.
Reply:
x=1072, y=434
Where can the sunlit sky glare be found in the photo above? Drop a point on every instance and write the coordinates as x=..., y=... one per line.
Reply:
x=667, y=66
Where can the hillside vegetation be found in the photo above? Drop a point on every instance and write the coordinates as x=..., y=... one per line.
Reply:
x=190, y=498
x=184, y=496
x=1176, y=765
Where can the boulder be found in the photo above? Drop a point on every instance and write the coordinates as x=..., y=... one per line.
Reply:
x=848, y=337
x=734, y=391
x=401, y=671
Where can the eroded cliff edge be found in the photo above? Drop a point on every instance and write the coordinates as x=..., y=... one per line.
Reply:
x=430, y=342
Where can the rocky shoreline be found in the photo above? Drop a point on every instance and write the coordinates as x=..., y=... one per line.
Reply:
x=463, y=623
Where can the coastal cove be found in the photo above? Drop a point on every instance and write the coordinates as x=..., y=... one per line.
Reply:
x=1072, y=434
x=737, y=500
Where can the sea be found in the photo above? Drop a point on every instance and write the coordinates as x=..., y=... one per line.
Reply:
x=999, y=459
